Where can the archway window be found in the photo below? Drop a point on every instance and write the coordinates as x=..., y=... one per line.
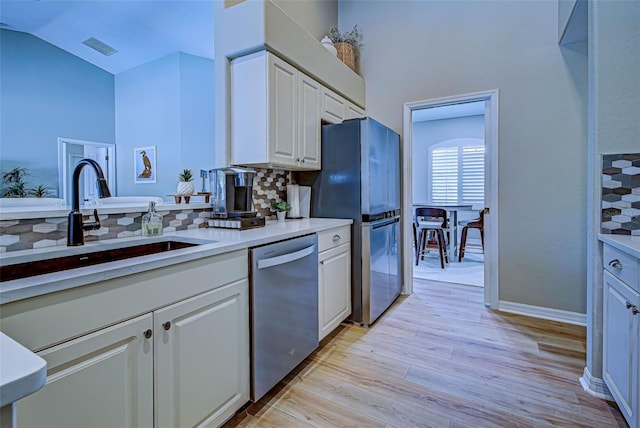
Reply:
x=456, y=171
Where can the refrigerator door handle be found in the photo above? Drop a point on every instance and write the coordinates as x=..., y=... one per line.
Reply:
x=384, y=223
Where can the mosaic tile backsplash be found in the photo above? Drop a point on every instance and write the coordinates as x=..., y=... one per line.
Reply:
x=621, y=194
x=269, y=186
x=26, y=234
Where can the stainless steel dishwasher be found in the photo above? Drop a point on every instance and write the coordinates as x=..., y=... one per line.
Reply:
x=284, y=309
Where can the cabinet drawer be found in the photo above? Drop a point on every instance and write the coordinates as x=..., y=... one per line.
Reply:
x=622, y=266
x=332, y=238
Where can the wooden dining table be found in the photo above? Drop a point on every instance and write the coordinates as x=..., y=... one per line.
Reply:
x=452, y=211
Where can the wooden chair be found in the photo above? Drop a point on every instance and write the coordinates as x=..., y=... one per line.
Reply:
x=477, y=223
x=432, y=224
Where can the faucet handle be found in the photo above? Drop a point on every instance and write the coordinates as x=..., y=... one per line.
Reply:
x=92, y=225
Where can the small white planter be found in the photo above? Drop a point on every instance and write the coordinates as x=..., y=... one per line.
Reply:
x=281, y=215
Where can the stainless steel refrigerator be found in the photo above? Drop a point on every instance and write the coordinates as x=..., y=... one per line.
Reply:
x=360, y=179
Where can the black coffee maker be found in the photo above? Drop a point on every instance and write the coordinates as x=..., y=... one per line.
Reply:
x=231, y=192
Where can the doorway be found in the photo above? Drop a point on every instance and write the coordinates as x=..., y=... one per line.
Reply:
x=484, y=107
x=71, y=151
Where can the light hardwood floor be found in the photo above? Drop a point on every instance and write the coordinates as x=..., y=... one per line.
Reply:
x=439, y=358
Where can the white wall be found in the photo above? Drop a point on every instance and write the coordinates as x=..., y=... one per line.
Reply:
x=614, y=127
x=419, y=50
x=427, y=133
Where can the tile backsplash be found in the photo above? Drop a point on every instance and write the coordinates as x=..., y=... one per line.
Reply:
x=621, y=194
x=26, y=234
x=269, y=186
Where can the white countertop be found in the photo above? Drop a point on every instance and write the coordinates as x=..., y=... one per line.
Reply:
x=626, y=243
x=23, y=372
x=214, y=241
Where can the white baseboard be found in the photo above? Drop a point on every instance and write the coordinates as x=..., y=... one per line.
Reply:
x=595, y=386
x=544, y=313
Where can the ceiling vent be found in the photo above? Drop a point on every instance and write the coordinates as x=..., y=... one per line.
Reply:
x=99, y=46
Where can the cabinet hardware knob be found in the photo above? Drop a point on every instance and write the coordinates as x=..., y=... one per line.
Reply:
x=628, y=305
x=322, y=262
x=297, y=159
x=148, y=334
x=302, y=161
x=335, y=238
x=635, y=310
x=615, y=263
x=167, y=325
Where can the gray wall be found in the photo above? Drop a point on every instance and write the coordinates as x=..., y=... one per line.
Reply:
x=48, y=93
x=427, y=133
x=614, y=127
x=317, y=17
x=423, y=50
x=168, y=103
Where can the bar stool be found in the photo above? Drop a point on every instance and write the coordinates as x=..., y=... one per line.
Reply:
x=477, y=223
x=432, y=224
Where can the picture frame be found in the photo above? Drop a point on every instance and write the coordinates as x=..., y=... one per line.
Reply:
x=144, y=165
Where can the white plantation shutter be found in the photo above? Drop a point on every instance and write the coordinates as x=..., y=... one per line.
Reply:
x=457, y=172
x=444, y=175
x=473, y=174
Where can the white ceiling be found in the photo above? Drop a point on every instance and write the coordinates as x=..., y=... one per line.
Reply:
x=141, y=30
x=448, y=112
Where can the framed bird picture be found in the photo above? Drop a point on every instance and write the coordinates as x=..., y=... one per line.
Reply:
x=144, y=164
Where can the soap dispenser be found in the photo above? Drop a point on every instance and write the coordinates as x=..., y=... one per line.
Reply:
x=152, y=222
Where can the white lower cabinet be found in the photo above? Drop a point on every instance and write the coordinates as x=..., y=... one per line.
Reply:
x=202, y=358
x=334, y=279
x=103, y=379
x=184, y=362
x=621, y=332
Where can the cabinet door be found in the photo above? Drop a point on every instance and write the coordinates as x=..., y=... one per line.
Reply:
x=333, y=107
x=103, y=379
x=353, y=111
x=620, y=345
x=202, y=358
x=283, y=120
x=334, y=303
x=309, y=96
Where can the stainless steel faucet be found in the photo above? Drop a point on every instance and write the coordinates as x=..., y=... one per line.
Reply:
x=76, y=228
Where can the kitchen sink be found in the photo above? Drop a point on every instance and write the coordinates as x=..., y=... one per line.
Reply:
x=58, y=264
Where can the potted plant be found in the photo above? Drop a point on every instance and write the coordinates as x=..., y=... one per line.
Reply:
x=13, y=184
x=40, y=191
x=185, y=185
x=281, y=207
x=346, y=44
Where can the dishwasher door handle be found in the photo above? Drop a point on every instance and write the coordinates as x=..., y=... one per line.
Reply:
x=286, y=258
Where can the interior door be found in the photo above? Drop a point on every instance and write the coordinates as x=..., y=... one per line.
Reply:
x=90, y=188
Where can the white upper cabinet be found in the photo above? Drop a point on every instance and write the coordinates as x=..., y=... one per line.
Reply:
x=335, y=108
x=309, y=93
x=275, y=114
x=353, y=111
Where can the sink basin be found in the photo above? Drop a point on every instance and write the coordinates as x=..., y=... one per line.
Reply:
x=40, y=267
